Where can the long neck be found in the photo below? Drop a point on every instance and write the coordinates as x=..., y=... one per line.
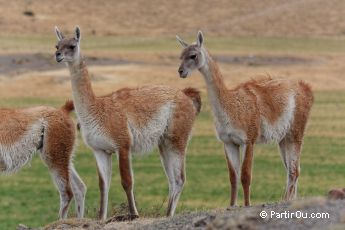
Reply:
x=83, y=95
x=214, y=80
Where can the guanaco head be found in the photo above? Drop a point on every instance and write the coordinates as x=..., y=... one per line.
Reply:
x=193, y=56
x=67, y=49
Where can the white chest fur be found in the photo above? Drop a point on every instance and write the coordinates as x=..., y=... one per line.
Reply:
x=226, y=130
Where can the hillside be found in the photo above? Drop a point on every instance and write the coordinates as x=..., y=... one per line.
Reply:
x=150, y=17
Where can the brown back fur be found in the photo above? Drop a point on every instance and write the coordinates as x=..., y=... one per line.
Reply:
x=263, y=97
x=59, y=134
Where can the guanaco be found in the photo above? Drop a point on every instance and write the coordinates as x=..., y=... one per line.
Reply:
x=255, y=111
x=51, y=132
x=130, y=120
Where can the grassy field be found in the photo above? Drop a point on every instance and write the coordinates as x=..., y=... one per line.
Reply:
x=29, y=196
x=144, y=37
x=147, y=44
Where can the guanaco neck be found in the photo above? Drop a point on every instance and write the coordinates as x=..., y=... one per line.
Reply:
x=216, y=87
x=83, y=95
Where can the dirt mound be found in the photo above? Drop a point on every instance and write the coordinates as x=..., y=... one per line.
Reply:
x=314, y=213
x=311, y=213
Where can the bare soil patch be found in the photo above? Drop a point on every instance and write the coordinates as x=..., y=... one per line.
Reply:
x=14, y=64
x=264, y=60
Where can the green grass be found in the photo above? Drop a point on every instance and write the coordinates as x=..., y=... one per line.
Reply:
x=46, y=43
x=29, y=196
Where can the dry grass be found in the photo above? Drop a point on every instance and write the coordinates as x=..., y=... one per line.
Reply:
x=151, y=17
x=324, y=75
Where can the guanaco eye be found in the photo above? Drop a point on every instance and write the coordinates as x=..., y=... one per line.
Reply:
x=72, y=47
x=57, y=47
x=192, y=56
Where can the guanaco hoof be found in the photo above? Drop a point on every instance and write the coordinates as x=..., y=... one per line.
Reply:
x=118, y=218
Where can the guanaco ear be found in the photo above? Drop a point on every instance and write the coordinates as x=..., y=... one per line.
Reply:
x=77, y=33
x=183, y=43
x=59, y=35
x=200, y=39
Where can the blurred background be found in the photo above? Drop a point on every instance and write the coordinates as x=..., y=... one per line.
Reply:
x=132, y=43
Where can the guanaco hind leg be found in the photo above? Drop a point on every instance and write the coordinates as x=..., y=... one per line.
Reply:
x=173, y=162
x=291, y=156
x=127, y=179
x=79, y=191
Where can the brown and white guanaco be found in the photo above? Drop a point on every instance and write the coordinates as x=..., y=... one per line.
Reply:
x=130, y=121
x=256, y=111
x=51, y=132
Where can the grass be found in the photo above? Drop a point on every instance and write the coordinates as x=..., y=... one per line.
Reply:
x=29, y=196
x=45, y=43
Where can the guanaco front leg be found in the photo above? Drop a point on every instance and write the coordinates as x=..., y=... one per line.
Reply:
x=232, y=153
x=104, y=166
